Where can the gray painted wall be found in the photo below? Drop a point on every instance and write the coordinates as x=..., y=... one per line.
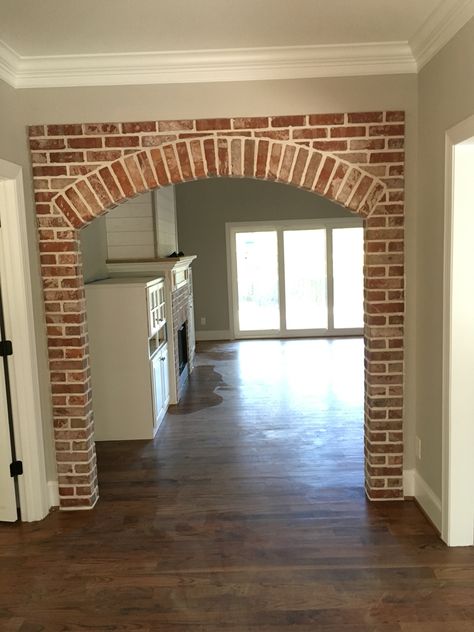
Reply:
x=94, y=250
x=446, y=97
x=205, y=206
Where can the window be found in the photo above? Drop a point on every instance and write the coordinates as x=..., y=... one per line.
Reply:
x=296, y=278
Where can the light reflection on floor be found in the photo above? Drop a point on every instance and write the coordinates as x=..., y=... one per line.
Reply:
x=328, y=371
x=299, y=401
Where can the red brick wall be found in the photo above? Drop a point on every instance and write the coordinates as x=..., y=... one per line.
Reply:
x=180, y=307
x=82, y=170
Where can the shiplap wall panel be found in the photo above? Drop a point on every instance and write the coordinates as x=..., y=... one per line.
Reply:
x=165, y=208
x=130, y=238
x=130, y=224
x=128, y=252
x=130, y=229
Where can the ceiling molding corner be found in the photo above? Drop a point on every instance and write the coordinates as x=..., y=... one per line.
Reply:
x=9, y=61
x=443, y=24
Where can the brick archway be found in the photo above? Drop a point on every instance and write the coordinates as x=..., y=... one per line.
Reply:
x=81, y=171
x=211, y=156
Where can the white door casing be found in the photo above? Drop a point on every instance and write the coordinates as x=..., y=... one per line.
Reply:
x=458, y=339
x=18, y=310
x=8, y=509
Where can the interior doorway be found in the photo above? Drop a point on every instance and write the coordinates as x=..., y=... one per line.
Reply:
x=23, y=406
x=368, y=184
x=458, y=344
x=296, y=278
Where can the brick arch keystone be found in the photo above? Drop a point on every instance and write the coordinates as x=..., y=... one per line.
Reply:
x=182, y=161
x=82, y=170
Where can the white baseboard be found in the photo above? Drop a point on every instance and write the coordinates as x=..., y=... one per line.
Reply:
x=415, y=485
x=81, y=508
x=409, y=483
x=223, y=334
x=53, y=493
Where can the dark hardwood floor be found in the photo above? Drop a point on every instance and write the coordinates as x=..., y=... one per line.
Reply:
x=246, y=514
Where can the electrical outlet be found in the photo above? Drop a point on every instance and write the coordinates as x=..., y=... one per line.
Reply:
x=203, y=320
x=418, y=448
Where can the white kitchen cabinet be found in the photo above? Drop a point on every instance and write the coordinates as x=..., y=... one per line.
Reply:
x=177, y=276
x=128, y=357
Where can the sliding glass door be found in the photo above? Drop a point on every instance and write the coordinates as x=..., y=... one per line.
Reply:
x=257, y=286
x=296, y=279
x=306, y=305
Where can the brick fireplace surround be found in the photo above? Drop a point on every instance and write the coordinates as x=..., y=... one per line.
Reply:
x=83, y=170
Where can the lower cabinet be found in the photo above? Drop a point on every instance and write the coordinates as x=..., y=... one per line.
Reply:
x=128, y=357
x=160, y=382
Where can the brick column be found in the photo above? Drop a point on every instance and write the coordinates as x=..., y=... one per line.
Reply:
x=383, y=338
x=66, y=323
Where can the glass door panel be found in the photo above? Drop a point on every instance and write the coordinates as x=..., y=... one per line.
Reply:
x=348, y=259
x=305, y=279
x=257, y=281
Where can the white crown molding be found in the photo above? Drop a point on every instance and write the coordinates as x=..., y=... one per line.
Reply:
x=443, y=24
x=295, y=62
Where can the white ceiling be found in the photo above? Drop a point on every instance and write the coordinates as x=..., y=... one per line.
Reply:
x=94, y=42
x=67, y=27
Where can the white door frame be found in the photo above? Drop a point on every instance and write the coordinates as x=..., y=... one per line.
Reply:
x=8, y=495
x=18, y=312
x=458, y=344
x=279, y=225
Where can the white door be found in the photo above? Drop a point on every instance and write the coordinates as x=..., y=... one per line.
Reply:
x=157, y=377
x=8, y=510
x=157, y=391
x=161, y=385
x=457, y=519
x=165, y=378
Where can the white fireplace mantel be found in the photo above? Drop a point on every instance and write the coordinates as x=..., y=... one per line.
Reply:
x=174, y=269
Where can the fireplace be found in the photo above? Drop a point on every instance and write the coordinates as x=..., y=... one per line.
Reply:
x=182, y=336
x=183, y=368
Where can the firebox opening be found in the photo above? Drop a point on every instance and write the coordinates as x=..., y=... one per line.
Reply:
x=182, y=348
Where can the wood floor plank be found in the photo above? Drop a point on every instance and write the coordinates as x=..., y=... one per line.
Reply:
x=245, y=514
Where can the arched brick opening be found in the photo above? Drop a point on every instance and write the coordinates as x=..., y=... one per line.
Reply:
x=73, y=187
